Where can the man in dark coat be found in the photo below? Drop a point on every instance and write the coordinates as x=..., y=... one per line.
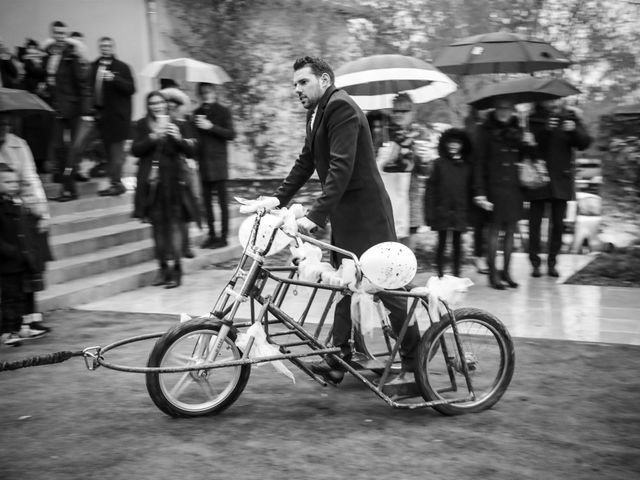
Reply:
x=112, y=85
x=215, y=128
x=558, y=132
x=69, y=94
x=338, y=146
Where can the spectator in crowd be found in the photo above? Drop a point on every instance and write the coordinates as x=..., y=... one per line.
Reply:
x=339, y=148
x=215, y=129
x=9, y=75
x=161, y=196
x=478, y=216
x=70, y=96
x=448, y=194
x=113, y=86
x=178, y=104
x=24, y=197
x=37, y=127
x=558, y=132
x=404, y=154
x=501, y=144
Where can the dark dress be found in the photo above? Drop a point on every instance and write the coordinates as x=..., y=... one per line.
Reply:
x=448, y=188
x=499, y=150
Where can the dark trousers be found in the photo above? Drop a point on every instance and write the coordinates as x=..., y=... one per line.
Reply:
x=220, y=187
x=556, y=225
x=480, y=219
x=398, y=313
x=13, y=302
x=115, y=156
x=167, y=236
x=442, y=242
x=37, y=130
x=82, y=132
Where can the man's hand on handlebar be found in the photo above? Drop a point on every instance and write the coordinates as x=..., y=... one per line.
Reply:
x=306, y=226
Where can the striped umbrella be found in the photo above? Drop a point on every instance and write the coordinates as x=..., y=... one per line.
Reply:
x=374, y=81
x=186, y=70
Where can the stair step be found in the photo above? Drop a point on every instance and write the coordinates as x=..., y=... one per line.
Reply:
x=106, y=259
x=80, y=243
x=90, y=220
x=84, y=189
x=94, y=287
x=84, y=204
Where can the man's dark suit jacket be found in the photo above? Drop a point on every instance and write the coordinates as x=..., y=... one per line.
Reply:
x=114, y=115
x=353, y=199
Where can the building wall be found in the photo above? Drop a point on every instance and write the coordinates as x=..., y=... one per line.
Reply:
x=124, y=20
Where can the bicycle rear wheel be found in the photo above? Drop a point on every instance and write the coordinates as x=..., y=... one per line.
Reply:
x=195, y=392
x=488, y=352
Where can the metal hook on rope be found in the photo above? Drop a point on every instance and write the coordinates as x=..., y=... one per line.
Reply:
x=91, y=357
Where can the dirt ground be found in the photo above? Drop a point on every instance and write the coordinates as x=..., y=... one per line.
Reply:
x=570, y=412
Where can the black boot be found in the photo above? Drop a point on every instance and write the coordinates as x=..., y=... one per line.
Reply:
x=162, y=277
x=175, y=277
x=331, y=370
x=508, y=280
x=494, y=279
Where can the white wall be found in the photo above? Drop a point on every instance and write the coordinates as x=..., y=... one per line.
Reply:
x=123, y=20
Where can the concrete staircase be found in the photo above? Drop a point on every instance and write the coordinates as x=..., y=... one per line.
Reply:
x=99, y=250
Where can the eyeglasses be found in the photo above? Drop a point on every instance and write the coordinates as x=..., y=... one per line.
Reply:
x=398, y=110
x=158, y=102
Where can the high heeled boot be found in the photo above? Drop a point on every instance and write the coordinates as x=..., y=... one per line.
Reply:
x=175, y=279
x=162, y=276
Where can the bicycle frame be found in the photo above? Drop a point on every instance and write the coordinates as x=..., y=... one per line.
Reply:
x=254, y=276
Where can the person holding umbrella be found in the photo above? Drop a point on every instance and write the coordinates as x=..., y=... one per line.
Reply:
x=501, y=145
x=558, y=132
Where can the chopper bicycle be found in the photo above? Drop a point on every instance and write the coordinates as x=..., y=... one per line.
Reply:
x=464, y=364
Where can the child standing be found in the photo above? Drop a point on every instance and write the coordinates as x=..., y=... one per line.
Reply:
x=21, y=261
x=448, y=194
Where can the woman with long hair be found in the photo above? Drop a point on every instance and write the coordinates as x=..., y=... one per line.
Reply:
x=161, y=196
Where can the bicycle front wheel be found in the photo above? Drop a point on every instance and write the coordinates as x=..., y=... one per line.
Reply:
x=195, y=392
x=487, y=351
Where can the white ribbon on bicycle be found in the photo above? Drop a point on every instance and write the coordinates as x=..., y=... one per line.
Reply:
x=262, y=348
x=448, y=288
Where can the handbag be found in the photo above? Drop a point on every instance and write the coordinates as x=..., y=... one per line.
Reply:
x=533, y=173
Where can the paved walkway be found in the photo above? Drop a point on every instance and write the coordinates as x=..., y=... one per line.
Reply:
x=540, y=308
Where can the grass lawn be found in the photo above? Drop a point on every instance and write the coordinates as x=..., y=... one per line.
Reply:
x=619, y=268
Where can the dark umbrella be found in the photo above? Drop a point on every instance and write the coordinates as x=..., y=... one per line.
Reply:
x=499, y=52
x=523, y=90
x=12, y=100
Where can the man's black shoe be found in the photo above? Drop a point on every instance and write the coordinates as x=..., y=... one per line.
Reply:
x=552, y=272
x=112, y=191
x=221, y=242
x=330, y=374
x=535, y=272
x=66, y=196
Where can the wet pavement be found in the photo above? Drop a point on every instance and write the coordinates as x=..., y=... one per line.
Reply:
x=539, y=308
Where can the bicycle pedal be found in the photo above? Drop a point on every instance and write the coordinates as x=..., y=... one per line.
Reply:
x=405, y=389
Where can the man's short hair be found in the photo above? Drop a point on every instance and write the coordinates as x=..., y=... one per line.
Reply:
x=317, y=64
x=105, y=38
x=76, y=35
x=58, y=24
x=403, y=98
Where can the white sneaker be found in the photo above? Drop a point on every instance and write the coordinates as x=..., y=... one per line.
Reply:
x=11, y=339
x=28, y=332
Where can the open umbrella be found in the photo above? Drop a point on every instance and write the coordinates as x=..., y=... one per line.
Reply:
x=499, y=52
x=186, y=70
x=523, y=90
x=13, y=100
x=374, y=81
